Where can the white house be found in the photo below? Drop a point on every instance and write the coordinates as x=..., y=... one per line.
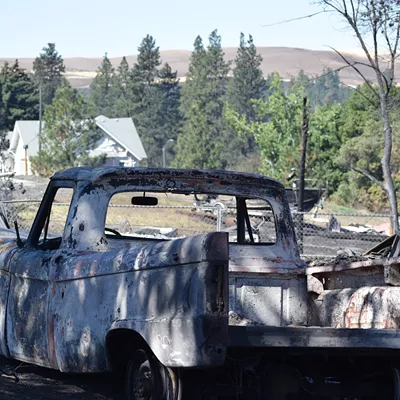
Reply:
x=120, y=143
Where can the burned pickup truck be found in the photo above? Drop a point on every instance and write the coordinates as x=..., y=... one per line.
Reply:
x=195, y=312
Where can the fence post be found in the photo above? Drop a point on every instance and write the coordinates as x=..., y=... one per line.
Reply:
x=219, y=219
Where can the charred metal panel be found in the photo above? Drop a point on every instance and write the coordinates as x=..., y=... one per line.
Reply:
x=101, y=184
x=27, y=324
x=275, y=262
x=267, y=287
x=7, y=250
x=307, y=338
x=174, y=294
x=268, y=300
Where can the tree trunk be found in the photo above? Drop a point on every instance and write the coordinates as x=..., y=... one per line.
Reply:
x=387, y=153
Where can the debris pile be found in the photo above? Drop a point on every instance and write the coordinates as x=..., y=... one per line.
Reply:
x=388, y=248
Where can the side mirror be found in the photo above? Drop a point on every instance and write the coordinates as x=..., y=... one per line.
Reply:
x=144, y=201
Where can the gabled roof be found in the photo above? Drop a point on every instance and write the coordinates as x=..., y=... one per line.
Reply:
x=123, y=131
x=29, y=133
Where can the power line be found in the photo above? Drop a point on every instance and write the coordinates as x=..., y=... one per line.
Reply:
x=295, y=19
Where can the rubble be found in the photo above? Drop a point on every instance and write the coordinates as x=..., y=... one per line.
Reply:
x=388, y=248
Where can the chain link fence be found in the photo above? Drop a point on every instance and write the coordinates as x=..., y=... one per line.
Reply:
x=325, y=234
x=318, y=234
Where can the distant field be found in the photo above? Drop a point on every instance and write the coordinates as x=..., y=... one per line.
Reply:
x=286, y=60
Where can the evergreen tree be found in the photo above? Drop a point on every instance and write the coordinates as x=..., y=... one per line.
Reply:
x=172, y=119
x=248, y=82
x=325, y=88
x=48, y=69
x=68, y=133
x=148, y=61
x=153, y=99
x=123, y=106
x=102, y=94
x=18, y=96
x=203, y=98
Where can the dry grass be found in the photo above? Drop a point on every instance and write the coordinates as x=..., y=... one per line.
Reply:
x=184, y=220
x=287, y=61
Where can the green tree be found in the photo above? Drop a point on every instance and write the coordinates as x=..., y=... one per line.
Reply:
x=123, y=106
x=172, y=119
x=248, y=82
x=47, y=71
x=362, y=150
x=102, y=89
x=277, y=131
x=18, y=96
x=202, y=104
x=376, y=22
x=326, y=137
x=146, y=100
x=68, y=133
x=327, y=89
x=148, y=61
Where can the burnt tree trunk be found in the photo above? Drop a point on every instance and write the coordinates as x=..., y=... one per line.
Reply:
x=386, y=168
x=303, y=156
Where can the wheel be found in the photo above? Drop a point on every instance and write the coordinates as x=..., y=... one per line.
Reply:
x=147, y=379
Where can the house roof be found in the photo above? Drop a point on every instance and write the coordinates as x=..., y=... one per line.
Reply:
x=123, y=131
x=29, y=133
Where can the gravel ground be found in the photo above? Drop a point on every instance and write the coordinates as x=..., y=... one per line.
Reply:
x=23, y=381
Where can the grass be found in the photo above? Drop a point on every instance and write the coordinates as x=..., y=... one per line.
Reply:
x=361, y=217
x=184, y=220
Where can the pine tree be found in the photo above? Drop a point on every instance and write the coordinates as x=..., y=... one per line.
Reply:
x=68, y=133
x=148, y=60
x=18, y=96
x=203, y=97
x=248, y=82
x=123, y=90
x=47, y=70
x=148, y=100
x=172, y=118
x=102, y=94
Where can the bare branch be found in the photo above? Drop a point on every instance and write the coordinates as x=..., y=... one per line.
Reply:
x=295, y=19
x=352, y=65
x=370, y=177
x=361, y=94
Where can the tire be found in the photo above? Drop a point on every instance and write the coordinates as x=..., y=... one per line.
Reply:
x=147, y=379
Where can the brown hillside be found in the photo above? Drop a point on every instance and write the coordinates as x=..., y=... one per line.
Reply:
x=287, y=61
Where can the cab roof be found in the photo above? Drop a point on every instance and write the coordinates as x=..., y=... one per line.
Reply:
x=98, y=174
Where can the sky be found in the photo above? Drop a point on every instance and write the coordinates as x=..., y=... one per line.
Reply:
x=89, y=28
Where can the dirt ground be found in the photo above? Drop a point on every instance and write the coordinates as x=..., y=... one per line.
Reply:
x=23, y=381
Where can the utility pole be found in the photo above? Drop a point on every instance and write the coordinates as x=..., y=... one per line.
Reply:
x=40, y=114
x=303, y=155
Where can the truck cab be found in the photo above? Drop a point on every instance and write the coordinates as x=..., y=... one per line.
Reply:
x=120, y=272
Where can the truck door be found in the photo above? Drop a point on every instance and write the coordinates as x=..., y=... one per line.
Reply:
x=30, y=335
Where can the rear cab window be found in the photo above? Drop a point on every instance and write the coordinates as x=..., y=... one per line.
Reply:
x=166, y=216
